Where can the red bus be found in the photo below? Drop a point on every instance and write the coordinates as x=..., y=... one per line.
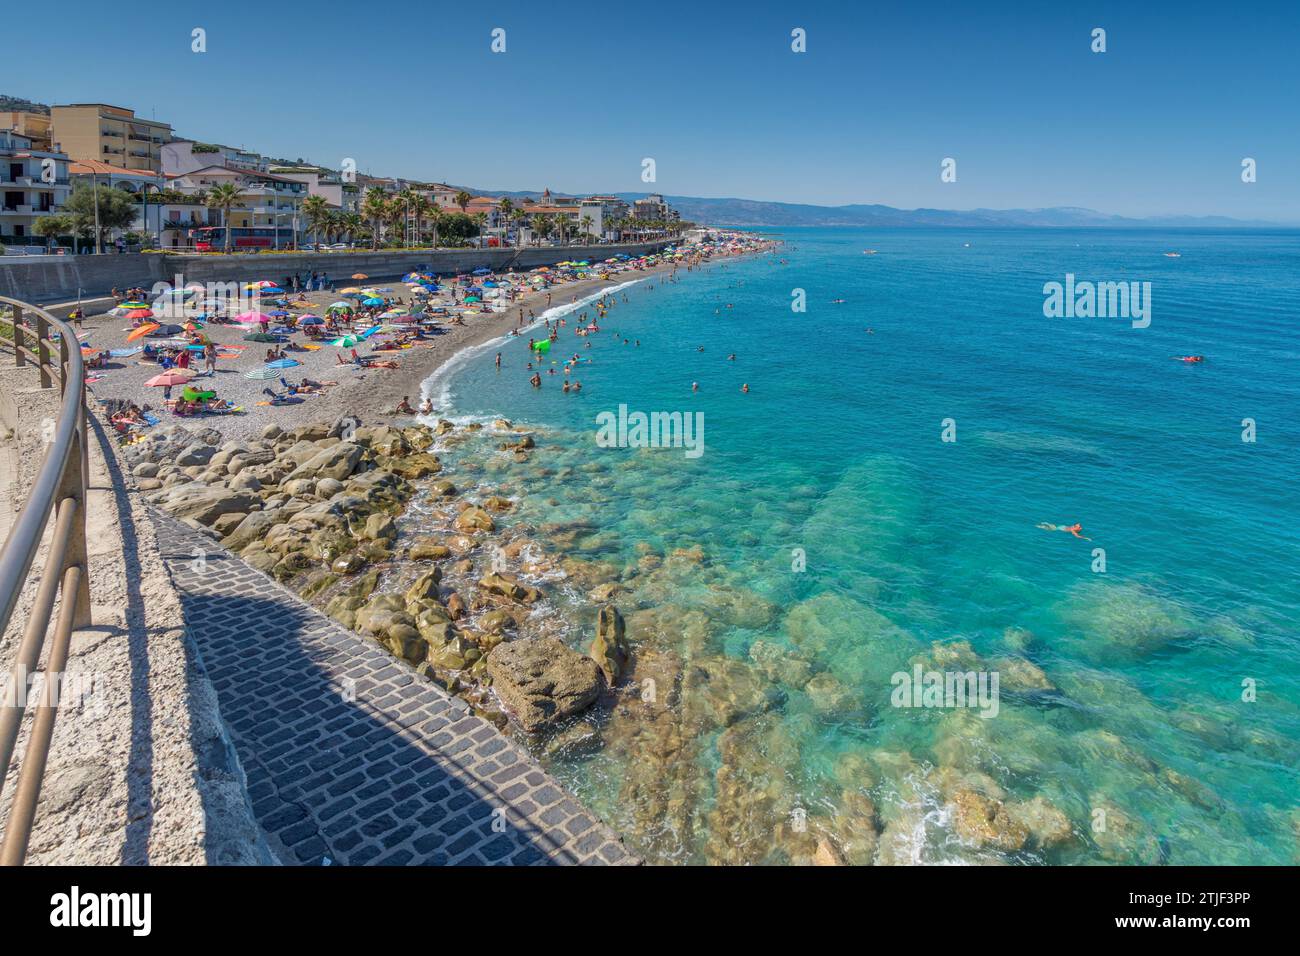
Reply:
x=213, y=238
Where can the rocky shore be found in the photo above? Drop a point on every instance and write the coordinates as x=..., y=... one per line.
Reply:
x=316, y=508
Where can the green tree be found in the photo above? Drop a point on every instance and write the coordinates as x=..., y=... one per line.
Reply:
x=116, y=209
x=52, y=226
x=462, y=200
x=586, y=222
x=223, y=197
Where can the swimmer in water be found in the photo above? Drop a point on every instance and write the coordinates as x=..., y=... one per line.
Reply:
x=695, y=386
x=1190, y=359
x=1073, y=529
x=731, y=357
x=536, y=380
x=498, y=360
x=745, y=387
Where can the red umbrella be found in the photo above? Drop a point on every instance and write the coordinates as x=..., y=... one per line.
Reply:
x=175, y=376
x=140, y=314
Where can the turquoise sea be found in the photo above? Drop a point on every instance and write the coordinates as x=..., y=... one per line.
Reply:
x=828, y=539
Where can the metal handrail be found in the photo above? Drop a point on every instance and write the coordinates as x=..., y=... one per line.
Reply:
x=60, y=488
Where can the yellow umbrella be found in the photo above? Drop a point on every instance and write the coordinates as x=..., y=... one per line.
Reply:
x=349, y=290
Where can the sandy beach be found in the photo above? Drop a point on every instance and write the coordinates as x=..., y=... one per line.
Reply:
x=368, y=393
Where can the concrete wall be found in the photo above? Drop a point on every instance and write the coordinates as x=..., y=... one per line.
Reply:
x=41, y=279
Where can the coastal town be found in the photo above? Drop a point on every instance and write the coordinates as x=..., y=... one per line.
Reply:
x=258, y=342
x=97, y=177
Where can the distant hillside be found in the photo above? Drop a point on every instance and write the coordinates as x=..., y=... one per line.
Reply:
x=755, y=213
x=17, y=104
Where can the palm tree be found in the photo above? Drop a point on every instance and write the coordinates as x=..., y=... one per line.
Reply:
x=480, y=220
x=352, y=224
x=395, y=215
x=541, y=226
x=375, y=207
x=421, y=207
x=463, y=199
x=407, y=198
x=317, y=213
x=223, y=196
x=586, y=222
x=435, y=220
x=506, y=208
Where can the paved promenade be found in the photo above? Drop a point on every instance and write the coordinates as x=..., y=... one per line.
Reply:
x=351, y=758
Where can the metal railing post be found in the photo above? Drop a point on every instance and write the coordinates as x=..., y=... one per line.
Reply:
x=43, y=351
x=18, y=337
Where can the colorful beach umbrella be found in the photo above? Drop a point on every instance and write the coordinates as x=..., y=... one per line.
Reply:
x=345, y=341
x=263, y=373
x=360, y=275
x=175, y=376
x=141, y=331
x=310, y=320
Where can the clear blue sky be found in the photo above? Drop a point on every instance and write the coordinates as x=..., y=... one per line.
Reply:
x=1159, y=124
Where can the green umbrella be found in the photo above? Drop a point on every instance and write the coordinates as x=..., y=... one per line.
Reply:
x=346, y=341
x=260, y=337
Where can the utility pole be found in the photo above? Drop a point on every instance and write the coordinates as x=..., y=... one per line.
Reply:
x=94, y=178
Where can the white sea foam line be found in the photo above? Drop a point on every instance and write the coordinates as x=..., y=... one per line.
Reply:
x=443, y=375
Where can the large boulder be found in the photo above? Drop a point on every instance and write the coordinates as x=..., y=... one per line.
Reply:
x=253, y=528
x=609, y=650
x=505, y=586
x=205, y=503
x=195, y=455
x=337, y=461
x=474, y=519
x=540, y=681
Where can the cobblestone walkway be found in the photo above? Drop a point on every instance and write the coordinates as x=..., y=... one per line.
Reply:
x=350, y=756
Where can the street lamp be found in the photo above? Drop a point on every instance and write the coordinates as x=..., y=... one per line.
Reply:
x=144, y=198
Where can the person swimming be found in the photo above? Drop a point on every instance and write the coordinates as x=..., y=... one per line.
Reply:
x=1073, y=529
x=1190, y=359
x=745, y=387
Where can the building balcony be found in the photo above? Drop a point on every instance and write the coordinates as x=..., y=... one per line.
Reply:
x=24, y=210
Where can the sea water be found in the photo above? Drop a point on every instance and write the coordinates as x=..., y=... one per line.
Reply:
x=870, y=508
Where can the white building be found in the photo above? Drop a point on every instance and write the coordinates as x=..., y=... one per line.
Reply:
x=33, y=184
x=268, y=203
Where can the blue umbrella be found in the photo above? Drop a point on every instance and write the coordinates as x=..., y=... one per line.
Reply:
x=283, y=363
x=482, y=272
x=372, y=301
x=279, y=313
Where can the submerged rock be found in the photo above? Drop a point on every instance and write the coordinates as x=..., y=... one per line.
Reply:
x=609, y=649
x=540, y=681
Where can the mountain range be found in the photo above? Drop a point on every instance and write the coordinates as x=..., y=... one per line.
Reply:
x=755, y=213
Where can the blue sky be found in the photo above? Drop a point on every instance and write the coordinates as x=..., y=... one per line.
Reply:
x=1159, y=124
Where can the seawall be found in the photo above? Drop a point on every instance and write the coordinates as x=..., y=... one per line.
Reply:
x=43, y=279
